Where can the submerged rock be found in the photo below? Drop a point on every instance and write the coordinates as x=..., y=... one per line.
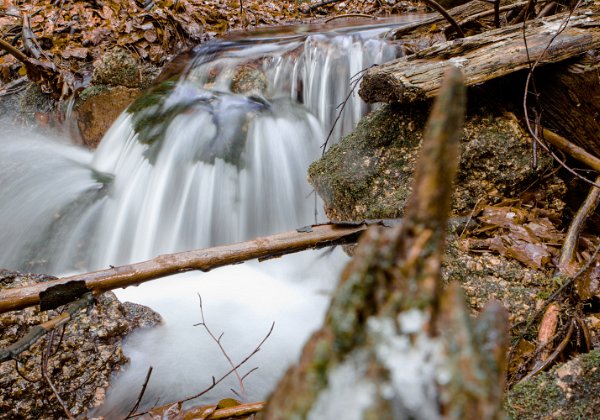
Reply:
x=366, y=175
x=82, y=358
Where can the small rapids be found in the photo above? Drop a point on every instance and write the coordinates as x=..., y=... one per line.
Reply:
x=217, y=155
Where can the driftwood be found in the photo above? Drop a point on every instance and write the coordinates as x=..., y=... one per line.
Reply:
x=390, y=328
x=483, y=57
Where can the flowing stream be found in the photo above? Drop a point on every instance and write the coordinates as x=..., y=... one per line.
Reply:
x=216, y=156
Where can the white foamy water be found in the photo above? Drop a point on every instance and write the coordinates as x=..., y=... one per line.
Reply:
x=193, y=164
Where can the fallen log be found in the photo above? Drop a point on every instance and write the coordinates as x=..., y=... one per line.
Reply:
x=54, y=293
x=483, y=57
x=64, y=290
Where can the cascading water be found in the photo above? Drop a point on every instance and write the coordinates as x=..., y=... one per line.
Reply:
x=218, y=156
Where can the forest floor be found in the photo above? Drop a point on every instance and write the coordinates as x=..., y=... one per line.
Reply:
x=71, y=36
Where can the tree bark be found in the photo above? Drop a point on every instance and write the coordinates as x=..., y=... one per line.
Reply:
x=482, y=57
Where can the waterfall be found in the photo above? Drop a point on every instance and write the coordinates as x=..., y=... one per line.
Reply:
x=216, y=156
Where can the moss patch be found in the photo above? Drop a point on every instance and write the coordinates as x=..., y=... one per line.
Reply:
x=570, y=390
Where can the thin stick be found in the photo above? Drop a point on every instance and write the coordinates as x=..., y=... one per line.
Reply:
x=567, y=252
x=139, y=398
x=446, y=16
x=571, y=149
x=41, y=330
x=218, y=341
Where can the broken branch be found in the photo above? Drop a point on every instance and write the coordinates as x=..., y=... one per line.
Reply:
x=41, y=330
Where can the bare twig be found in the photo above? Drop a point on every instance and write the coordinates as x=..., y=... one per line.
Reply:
x=446, y=15
x=542, y=365
x=215, y=382
x=218, y=341
x=529, y=81
x=142, y=392
x=354, y=83
x=49, y=381
x=497, y=13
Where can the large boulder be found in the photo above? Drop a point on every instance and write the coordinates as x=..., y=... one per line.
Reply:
x=366, y=175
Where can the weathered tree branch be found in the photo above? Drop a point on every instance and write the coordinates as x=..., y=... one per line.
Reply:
x=39, y=331
x=317, y=236
x=571, y=149
x=482, y=57
x=566, y=262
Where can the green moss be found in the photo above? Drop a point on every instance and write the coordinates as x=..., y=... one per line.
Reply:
x=366, y=174
x=571, y=390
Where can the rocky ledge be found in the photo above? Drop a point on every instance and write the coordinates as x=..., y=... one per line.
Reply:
x=79, y=359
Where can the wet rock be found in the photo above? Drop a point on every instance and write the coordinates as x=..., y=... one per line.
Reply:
x=366, y=175
x=98, y=107
x=82, y=359
x=570, y=390
x=249, y=80
x=119, y=67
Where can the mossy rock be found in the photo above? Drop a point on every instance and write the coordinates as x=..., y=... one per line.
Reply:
x=367, y=175
x=568, y=391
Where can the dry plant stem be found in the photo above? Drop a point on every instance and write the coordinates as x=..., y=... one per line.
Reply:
x=497, y=13
x=49, y=381
x=551, y=299
x=142, y=392
x=39, y=331
x=446, y=16
x=571, y=149
x=566, y=261
x=218, y=341
x=529, y=80
x=215, y=382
